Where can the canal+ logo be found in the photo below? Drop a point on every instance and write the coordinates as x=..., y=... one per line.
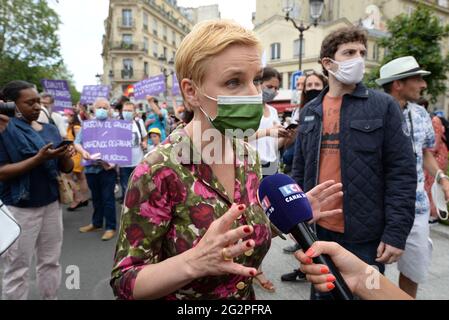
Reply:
x=290, y=189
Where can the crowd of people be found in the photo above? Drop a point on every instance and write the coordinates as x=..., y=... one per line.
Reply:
x=191, y=228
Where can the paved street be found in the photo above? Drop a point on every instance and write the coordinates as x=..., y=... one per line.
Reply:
x=94, y=260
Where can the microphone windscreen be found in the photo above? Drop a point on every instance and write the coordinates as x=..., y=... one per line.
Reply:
x=283, y=201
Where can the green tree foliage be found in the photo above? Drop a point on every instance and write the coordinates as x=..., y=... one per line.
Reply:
x=419, y=35
x=29, y=45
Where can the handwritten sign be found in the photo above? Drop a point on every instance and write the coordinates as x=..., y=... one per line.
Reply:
x=176, y=91
x=92, y=93
x=149, y=87
x=60, y=91
x=111, y=138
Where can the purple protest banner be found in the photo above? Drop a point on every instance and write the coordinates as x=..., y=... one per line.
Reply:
x=92, y=93
x=176, y=91
x=112, y=139
x=60, y=91
x=149, y=87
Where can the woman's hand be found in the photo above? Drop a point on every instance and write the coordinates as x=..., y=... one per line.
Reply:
x=48, y=153
x=353, y=270
x=106, y=166
x=4, y=120
x=277, y=131
x=323, y=194
x=214, y=253
x=69, y=153
x=86, y=155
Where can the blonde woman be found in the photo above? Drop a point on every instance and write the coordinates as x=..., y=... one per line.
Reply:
x=192, y=228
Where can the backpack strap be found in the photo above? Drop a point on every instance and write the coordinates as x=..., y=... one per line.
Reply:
x=47, y=114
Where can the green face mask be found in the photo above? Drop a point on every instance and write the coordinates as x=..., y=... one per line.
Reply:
x=237, y=112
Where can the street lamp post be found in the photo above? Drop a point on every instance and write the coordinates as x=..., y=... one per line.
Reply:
x=316, y=10
x=165, y=71
x=111, y=78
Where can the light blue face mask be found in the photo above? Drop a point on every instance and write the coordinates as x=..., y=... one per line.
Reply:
x=128, y=115
x=101, y=114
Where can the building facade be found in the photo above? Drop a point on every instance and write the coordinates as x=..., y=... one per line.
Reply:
x=141, y=39
x=202, y=13
x=282, y=53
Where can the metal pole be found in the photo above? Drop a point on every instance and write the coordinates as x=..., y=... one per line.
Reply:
x=166, y=84
x=300, y=48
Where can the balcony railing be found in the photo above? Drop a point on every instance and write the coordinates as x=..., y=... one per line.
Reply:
x=129, y=75
x=126, y=23
x=169, y=16
x=127, y=46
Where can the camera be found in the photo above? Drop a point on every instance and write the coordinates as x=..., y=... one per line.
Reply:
x=8, y=109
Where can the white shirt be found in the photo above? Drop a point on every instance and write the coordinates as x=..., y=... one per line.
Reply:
x=267, y=147
x=60, y=123
x=139, y=134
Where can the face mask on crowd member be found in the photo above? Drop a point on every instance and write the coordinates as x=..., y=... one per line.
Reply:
x=268, y=95
x=348, y=67
x=311, y=94
x=270, y=88
x=128, y=111
x=101, y=114
x=349, y=72
x=236, y=112
x=128, y=115
x=102, y=107
x=313, y=87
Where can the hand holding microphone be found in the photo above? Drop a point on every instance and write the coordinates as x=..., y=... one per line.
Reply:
x=288, y=208
x=353, y=270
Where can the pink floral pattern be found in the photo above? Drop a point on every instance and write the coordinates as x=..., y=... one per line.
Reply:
x=202, y=190
x=140, y=170
x=170, y=206
x=252, y=185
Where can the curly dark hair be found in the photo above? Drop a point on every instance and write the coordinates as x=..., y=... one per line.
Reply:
x=341, y=36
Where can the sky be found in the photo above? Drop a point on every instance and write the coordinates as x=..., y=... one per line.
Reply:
x=82, y=30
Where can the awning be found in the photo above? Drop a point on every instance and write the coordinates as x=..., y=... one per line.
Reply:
x=282, y=106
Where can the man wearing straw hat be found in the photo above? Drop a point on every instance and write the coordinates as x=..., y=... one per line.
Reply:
x=403, y=79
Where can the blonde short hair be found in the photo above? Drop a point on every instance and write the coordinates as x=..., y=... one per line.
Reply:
x=206, y=40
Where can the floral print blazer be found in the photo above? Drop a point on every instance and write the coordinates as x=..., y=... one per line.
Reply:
x=169, y=206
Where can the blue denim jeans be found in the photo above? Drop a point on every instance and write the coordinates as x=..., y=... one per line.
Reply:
x=102, y=186
x=366, y=251
x=125, y=173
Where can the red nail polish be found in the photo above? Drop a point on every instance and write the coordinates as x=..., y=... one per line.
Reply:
x=330, y=286
x=247, y=229
x=310, y=252
x=324, y=270
x=241, y=207
x=248, y=244
x=252, y=273
x=330, y=278
x=309, y=261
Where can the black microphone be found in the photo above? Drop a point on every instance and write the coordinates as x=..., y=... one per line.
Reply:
x=288, y=208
